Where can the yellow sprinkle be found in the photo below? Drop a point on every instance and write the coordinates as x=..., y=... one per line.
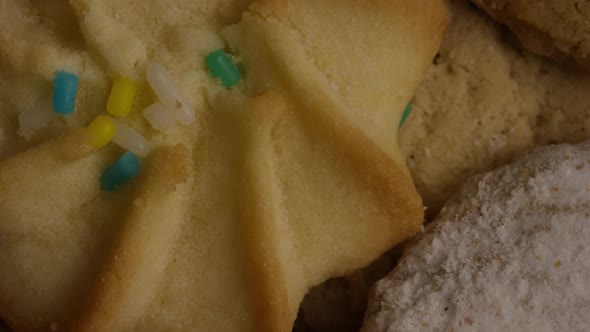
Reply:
x=100, y=131
x=121, y=99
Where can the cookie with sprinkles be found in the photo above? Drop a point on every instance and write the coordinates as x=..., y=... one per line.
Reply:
x=219, y=161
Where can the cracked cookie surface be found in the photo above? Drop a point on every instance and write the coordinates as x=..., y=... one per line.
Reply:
x=483, y=102
x=558, y=29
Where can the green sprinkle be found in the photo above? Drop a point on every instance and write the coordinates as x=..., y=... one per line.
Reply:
x=220, y=65
x=405, y=114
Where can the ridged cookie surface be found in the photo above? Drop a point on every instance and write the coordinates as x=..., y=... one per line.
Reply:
x=290, y=178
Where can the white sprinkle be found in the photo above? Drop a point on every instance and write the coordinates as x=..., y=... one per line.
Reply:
x=158, y=117
x=37, y=117
x=169, y=95
x=130, y=140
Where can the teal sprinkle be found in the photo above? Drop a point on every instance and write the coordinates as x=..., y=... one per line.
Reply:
x=406, y=113
x=220, y=65
x=121, y=171
x=65, y=88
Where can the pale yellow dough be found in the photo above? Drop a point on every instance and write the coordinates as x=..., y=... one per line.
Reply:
x=484, y=102
x=291, y=178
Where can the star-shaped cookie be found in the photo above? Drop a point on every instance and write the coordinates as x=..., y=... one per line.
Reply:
x=290, y=178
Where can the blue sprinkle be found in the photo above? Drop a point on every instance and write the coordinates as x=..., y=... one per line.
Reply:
x=65, y=88
x=405, y=114
x=121, y=171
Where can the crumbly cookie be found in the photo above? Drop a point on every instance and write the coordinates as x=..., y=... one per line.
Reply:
x=291, y=178
x=484, y=102
x=510, y=252
x=558, y=29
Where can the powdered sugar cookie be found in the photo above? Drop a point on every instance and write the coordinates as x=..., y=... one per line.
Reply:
x=511, y=252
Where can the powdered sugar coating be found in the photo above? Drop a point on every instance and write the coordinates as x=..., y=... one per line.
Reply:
x=511, y=252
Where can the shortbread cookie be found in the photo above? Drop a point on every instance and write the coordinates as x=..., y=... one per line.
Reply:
x=289, y=178
x=558, y=29
x=483, y=102
x=511, y=252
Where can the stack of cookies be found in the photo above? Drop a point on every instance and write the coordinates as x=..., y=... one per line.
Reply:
x=201, y=165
